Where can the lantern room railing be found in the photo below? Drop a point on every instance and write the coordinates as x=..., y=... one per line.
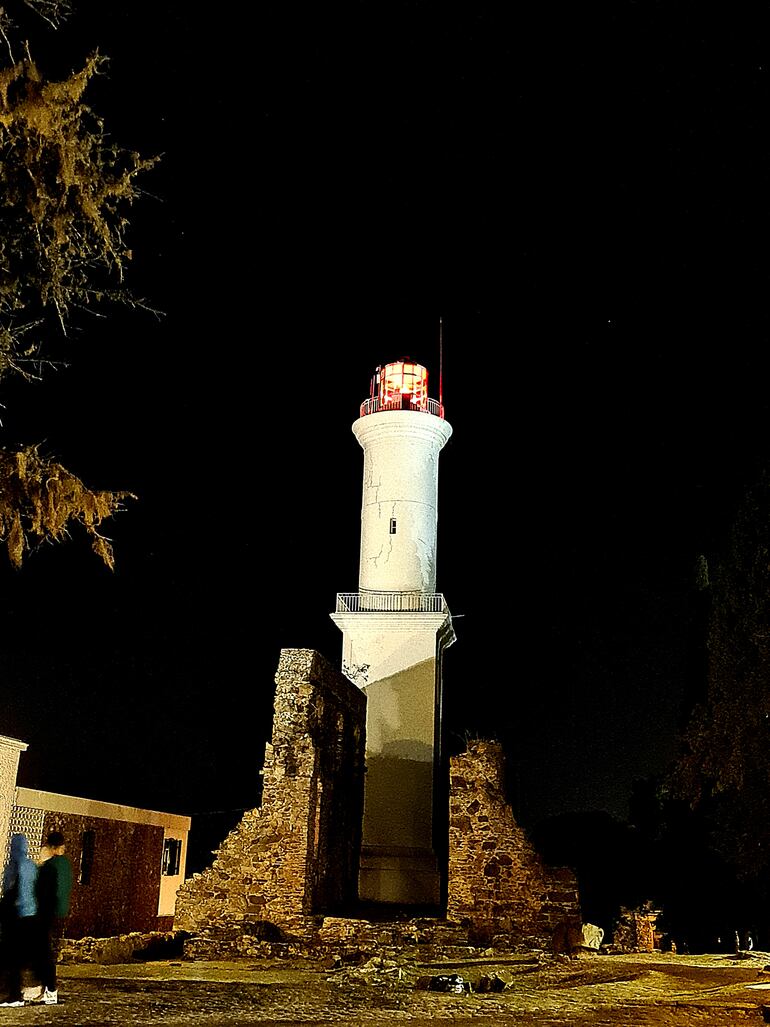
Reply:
x=391, y=602
x=375, y=405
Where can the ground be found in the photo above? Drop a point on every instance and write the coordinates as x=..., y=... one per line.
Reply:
x=600, y=990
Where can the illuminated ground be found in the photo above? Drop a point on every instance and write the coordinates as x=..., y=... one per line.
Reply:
x=621, y=991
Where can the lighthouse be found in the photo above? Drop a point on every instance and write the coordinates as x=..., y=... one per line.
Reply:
x=395, y=629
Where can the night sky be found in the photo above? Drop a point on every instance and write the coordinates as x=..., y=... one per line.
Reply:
x=582, y=196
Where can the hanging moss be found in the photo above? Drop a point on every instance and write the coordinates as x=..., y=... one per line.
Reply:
x=64, y=190
x=40, y=501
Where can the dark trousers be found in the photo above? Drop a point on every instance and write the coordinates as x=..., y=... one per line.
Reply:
x=17, y=945
x=49, y=933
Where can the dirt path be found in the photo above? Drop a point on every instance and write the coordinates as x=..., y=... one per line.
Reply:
x=648, y=990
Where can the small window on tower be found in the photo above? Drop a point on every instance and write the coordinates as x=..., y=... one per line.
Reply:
x=393, y=525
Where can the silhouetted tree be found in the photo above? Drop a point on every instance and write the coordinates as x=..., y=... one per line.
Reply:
x=723, y=771
x=64, y=192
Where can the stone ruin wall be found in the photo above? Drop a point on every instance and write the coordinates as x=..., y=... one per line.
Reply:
x=497, y=884
x=298, y=853
x=295, y=858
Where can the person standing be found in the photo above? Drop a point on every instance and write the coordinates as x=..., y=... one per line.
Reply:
x=52, y=891
x=18, y=907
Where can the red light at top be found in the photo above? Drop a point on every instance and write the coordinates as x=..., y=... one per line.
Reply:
x=408, y=380
x=402, y=385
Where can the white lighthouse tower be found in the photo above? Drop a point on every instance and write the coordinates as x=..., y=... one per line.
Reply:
x=395, y=629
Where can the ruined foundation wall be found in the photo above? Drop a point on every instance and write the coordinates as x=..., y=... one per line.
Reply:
x=497, y=884
x=298, y=853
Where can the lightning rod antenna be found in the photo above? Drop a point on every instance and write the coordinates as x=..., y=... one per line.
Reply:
x=441, y=364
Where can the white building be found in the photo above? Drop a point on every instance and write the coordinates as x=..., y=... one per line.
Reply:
x=128, y=863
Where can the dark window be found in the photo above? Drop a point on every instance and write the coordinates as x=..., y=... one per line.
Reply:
x=172, y=855
x=393, y=525
x=87, y=839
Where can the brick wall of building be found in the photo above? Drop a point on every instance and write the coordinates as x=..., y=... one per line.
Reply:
x=497, y=884
x=119, y=891
x=298, y=853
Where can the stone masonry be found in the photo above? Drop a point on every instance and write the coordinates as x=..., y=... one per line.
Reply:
x=498, y=887
x=289, y=869
x=298, y=853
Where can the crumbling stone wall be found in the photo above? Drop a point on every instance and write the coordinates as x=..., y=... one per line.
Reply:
x=497, y=884
x=636, y=931
x=297, y=854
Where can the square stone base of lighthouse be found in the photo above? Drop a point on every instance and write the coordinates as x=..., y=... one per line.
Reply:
x=395, y=658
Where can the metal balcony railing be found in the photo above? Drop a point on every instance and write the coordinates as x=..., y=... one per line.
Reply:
x=391, y=602
x=375, y=405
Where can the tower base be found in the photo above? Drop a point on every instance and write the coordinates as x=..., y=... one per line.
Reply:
x=399, y=875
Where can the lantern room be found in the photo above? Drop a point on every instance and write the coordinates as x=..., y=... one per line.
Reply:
x=402, y=385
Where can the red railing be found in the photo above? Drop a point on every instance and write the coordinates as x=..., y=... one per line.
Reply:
x=375, y=405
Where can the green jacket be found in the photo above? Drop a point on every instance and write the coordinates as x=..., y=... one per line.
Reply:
x=54, y=887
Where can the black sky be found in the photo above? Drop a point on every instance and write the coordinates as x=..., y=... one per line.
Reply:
x=582, y=196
